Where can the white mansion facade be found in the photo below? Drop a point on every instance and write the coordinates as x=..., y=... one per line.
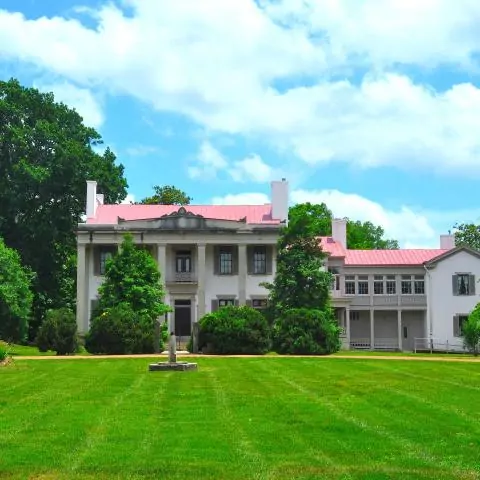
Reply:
x=215, y=255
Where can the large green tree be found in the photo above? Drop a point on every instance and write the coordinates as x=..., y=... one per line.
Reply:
x=46, y=156
x=167, y=195
x=468, y=235
x=316, y=219
x=15, y=295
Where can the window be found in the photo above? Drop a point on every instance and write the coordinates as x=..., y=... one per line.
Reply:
x=378, y=285
x=349, y=284
x=419, y=285
x=354, y=316
x=391, y=285
x=183, y=261
x=259, y=303
x=105, y=255
x=225, y=302
x=464, y=284
x=458, y=323
x=363, y=284
x=260, y=260
x=406, y=284
x=226, y=261
x=461, y=321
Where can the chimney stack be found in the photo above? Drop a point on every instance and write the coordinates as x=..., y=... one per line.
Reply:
x=447, y=242
x=279, y=199
x=339, y=231
x=91, y=199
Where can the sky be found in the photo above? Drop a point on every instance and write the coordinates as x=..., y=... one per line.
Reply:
x=371, y=106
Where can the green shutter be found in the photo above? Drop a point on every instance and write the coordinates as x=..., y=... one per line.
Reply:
x=456, y=326
x=269, y=255
x=471, y=285
x=250, y=250
x=96, y=261
x=235, y=260
x=455, y=284
x=216, y=261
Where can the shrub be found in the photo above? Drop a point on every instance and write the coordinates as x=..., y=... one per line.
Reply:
x=234, y=330
x=58, y=332
x=305, y=331
x=120, y=330
x=4, y=351
x=471, y=331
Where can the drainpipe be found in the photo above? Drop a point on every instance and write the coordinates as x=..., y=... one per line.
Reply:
x=429, y=297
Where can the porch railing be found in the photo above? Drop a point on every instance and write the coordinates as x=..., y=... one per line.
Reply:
x=379, y=344
x=437, y=345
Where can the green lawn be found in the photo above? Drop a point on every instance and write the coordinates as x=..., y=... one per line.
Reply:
x=259, y=418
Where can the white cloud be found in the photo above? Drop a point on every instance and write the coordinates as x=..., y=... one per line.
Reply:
x=168, y=55
x=209, y=162
x=81, y=99
x=242, y=199
x=141, y=150
x=252, y=169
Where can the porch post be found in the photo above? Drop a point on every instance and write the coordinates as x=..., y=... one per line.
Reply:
x=162, y=261
x=399, y=329
x=82, y=297
x=372, y=329
x=201, y=280
x=347, y=326
x=242, y=274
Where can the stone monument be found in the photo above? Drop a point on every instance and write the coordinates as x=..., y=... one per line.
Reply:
x=172, y=363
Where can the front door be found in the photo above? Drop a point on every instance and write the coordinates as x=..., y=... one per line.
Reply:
x=183, y=319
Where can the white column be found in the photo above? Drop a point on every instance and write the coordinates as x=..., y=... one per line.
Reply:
x=82, y=297
x=162, y=261
x=242, y=274
x=372, y=329
x=201, y=280
x=399, y=329
x=347, y=326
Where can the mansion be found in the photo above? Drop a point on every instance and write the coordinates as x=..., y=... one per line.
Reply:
x=216, y=255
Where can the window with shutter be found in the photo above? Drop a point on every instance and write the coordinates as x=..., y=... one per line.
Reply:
x=225, y=260
x=463, y=284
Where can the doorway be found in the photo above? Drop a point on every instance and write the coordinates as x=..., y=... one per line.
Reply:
x=183, y=321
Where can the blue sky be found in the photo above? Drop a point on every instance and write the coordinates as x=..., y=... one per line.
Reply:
x=370, y=106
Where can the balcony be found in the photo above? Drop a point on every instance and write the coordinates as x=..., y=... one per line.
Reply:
x=182, y=277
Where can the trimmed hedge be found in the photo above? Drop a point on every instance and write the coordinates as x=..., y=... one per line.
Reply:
x=234, y=330
x=58, y=332
x=302, y=331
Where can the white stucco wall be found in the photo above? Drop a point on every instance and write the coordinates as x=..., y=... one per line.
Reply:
x=443, y=305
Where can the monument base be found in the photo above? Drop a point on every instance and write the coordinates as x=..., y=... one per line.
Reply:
x=175, y=366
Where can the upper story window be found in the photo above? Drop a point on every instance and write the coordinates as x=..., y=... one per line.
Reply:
x=105, y=255
x=226, y=302
x=183, y=261
x=356, y=285
x=363, y=284
x=406, y=284
x=390, y=285
x=378, y=285
x=384, y=285
x=413, y=285
x=259, y=303
x=226, y=260
x=260, y=260
x=101, y=256
x=350, y=285
x=463, y=284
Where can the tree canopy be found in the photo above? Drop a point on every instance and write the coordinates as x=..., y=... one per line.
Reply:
x=316, y=220
x=15, y=295
x=468, y=235
x=167, y=195
x=46, y=156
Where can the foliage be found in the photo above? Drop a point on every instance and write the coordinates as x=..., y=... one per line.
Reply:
x=15, y=295
x=234, y=330
x=121, y=330
x=467, y=235
x=300, y=279
x=316, y=220
x=4, y=351
x=132, y=277
x=58, y=332
x=167, y=195
x=471, y=331
x=46, y=156
x=307, y=332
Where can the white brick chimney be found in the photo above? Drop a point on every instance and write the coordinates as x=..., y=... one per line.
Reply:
x=279, y=199
x=339, y=231
x=447, y=242
x=91, y=199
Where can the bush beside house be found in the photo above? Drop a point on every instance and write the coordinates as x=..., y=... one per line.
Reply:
x=471, y=331
x=58, y=332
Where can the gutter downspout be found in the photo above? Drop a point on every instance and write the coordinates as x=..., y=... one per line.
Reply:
x=429, y=310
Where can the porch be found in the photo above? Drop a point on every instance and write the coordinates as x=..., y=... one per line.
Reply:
x=375, y=329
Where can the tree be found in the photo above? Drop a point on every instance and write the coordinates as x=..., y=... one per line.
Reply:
x=46, y=156
x=15, y=295
x=467, y=235
x=316, y=219
x=132, y=277
x=471, y=331
x=167, y=195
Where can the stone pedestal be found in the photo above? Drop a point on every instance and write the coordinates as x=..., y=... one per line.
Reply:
x=172, y=363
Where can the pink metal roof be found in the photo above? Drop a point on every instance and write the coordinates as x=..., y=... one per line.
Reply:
x=256, y=214
x=407, y=257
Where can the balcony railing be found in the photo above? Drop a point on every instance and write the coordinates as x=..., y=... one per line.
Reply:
x=182, y=277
